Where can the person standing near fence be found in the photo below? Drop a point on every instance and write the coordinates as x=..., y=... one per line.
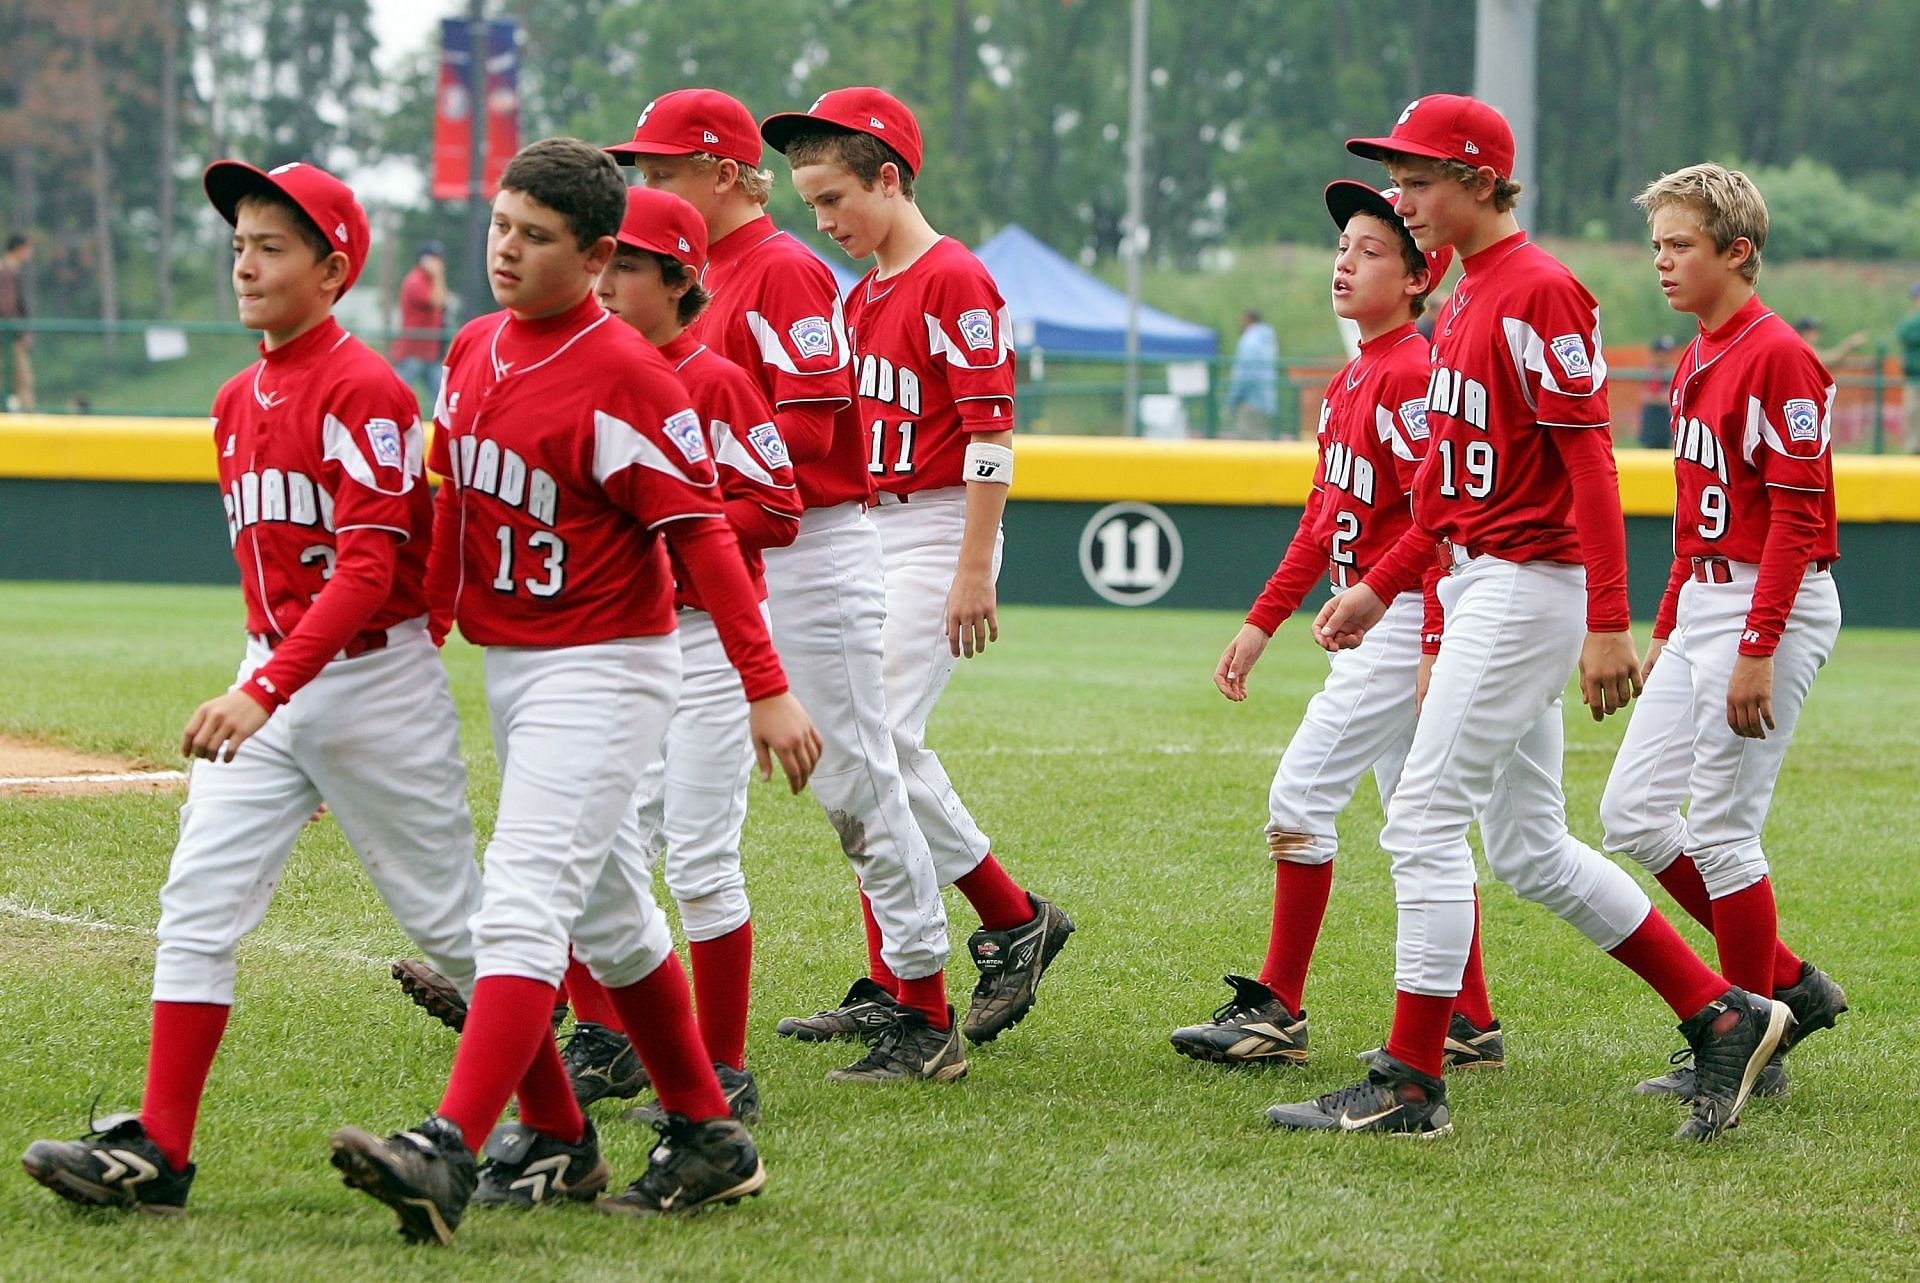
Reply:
x=421, y=343
x=13, y=307
x=1251, y=383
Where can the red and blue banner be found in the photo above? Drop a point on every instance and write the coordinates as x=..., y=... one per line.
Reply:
x=453, y=116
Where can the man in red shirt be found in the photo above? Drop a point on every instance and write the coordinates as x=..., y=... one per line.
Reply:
x=1372, y=436
x=1750, y=613
x=573, y=461
x=777, y=314
x=341, y=697
x=1519, y=483
x=418, y=348
x=933, y=354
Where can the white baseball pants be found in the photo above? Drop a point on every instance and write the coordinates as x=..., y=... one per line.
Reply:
x=1488, y=745
x=377, y=739
x=1361, y=720
x=920, y=540
x=574, y=728
x=1679, y=748
x=692, y=804
x=827, y=594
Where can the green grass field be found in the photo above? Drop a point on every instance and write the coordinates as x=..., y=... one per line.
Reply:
x=1115, y=780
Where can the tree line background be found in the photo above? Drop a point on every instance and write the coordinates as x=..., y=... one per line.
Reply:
x=110, y=108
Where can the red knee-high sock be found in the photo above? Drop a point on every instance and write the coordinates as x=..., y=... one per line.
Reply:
x=507, y=1021
x=185, y=1037
x=657, y=1013
x=1419, y=1036
x=1683, y=882
x=997, y=898
x=1473, y=1002
x=1299, y=905
x=1658, y=955
x=722, y=979
x=590, y=1001
x=546, y=1097
x=928, y=996
x=876, y=965
x=1746, y=930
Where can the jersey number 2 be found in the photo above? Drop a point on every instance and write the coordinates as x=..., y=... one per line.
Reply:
x=538, y=542
x=903, y=462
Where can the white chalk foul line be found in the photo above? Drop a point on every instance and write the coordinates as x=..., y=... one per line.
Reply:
x=117, y=777
x=12, y=908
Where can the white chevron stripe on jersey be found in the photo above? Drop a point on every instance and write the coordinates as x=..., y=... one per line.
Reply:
x=773, y=349
x=618, y=445
x=940, y=343
x=729, y=452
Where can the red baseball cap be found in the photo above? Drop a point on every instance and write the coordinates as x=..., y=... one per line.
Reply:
x=861, y=109
x=323, y=198
x=1345, y=198
x=687, y=121
x=664, y=224
x=1447, y=127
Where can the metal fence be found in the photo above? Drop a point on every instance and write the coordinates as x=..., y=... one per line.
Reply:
x=174, y=368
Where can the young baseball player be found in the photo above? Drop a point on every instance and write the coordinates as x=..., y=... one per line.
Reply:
x=573, y=462
x=1519, y=483
x=933, y=350
x=341, y=696
x=1372, y=437
x=777, y=315
x=1750, y=613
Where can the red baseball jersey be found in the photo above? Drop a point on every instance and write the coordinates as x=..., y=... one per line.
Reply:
x=756, y=478
x=776, y=313
x=1752, y=410
x=1372, y=437
x=1516, y=349
x=568, y=442
x=933, y=360
x=317, y=437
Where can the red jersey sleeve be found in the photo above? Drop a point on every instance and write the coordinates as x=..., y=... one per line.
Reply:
x=362, y=577
x=1300, y=567
x=970, y=342
x=750, y=456
x=1597, y=520
x=1669, y=613
x=373, y=453
x=800, y=331
x=712, y=559
x=649, y=454
x=1789, y=433
x=1557, y=347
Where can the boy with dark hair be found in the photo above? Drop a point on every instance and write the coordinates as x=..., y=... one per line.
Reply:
x=1372, y=438
x=341, y=697
x=573, y=462
x=933, y=351
x=1750, y=613
x=1519, y=485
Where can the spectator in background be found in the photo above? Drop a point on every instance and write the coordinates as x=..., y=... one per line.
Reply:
x=1656, y=412
x=1909, y=336
x=1427, y=319
x=1808, y=327
x=418, y=351
x=1252, y=384
x=13, y=307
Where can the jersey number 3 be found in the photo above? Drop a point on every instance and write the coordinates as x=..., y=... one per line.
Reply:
x=538, y=543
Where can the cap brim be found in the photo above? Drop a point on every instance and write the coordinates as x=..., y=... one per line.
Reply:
x=228, y=182
x=637, y=148
x=783, y=127
x=1345, y=198
x=1381, y=148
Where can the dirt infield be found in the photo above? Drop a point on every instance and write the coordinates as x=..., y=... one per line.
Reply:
x=28, y=769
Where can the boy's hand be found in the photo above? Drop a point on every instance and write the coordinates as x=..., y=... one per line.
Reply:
x=1422, y=678
x=1654, y=648
x=1242, y=653
x=971, y=619
x=228, y=721
x=781, y=728
x=1750, y=696
x=1345, y=619
x=1609, y=673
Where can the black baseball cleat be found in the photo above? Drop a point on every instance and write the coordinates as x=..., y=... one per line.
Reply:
x=1816, y=1003
x=1011, y=963
x=1394, y=1098
x=521, y=1167
x=909, y=1049
x=115, y=1165
x=602, y=1063
x=432, y=992
x=1732, y=1039
x=864, y=1013
x=737, y=1085
x=1468, y=1046
x=694, y=1165
x=425, y=1175
x=1252, y=1028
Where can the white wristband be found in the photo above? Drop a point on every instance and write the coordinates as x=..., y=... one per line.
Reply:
x=992, y=464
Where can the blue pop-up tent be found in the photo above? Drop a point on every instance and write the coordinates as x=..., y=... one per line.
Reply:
x=1059, y=307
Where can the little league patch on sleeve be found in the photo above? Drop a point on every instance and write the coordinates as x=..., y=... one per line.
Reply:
x=1571, y=351
x=1803, y=421
x=768, y=444
x=683, y=429
x=812, y=336
x=384, y=435
x=976, y=329
x=1414, y=415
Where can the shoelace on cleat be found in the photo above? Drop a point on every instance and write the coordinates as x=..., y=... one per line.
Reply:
x=1337, y=1101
